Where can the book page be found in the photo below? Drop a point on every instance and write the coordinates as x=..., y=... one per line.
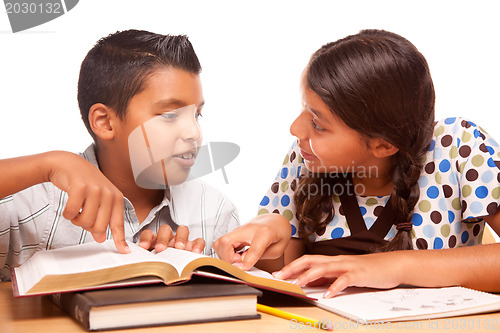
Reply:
x=252, y=271
x=253, y=277
x=178, y=258
x=75, y=259
x=367, y=305
x=91, y=257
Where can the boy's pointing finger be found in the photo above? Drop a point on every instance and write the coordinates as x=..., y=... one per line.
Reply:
x=116, y=226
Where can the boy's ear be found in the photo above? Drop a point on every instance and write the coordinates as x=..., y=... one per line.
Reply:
x=381, y=148
x=101, y=121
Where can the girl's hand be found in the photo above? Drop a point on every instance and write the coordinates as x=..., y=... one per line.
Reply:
x=380, y=270
x=266, y=237
x=166, y=238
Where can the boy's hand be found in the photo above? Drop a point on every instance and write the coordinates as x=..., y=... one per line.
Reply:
x=166, y=238
x=93, y=201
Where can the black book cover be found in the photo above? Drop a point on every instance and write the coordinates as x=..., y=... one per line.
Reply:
x=79, y=305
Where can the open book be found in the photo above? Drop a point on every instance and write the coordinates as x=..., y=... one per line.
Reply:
x=96, y=266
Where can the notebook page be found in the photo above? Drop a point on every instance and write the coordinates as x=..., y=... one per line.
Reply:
x=400, y=303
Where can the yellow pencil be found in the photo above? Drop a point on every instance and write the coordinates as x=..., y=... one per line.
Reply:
x=290, y=316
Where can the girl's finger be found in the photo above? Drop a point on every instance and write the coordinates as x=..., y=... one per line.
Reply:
x=225, y=246
x=297, y=266
x=342, y=282
x=321, y=270
x=257, y=248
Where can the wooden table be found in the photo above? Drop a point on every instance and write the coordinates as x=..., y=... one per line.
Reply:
x=38, y=315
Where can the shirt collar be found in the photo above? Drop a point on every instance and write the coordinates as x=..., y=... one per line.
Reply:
x=90, y=155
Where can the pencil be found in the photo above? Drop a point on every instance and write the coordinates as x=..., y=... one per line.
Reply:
x=290, y=316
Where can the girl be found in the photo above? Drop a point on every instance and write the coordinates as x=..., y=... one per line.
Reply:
x=372, y=173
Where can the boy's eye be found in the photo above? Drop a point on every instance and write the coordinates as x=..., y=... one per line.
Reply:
x=169, y=116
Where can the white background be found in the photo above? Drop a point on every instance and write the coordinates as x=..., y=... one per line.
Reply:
x=252, y=53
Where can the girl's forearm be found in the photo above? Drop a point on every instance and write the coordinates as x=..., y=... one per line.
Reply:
x=476, y=267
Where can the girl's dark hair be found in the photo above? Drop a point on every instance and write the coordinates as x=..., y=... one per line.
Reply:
x=116, y=68
x=379, y=84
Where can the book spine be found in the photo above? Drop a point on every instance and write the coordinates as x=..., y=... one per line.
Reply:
x=15, y=286
x=76, y=305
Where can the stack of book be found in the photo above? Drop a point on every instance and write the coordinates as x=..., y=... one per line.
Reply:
x=156, y=305
x=101, y=289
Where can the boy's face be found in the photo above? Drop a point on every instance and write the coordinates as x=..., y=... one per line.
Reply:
x=161, y=130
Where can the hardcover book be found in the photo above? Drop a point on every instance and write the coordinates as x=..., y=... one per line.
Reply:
x=158, y=305
x=97, y=266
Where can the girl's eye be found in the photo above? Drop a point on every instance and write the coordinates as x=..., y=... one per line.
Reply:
x=316, y=127
x=198, y=115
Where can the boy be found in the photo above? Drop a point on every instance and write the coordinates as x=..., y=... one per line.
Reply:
x=130, y=82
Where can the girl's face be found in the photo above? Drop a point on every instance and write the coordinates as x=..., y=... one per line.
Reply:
x=326, y=143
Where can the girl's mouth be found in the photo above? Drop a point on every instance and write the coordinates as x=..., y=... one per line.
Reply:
x=307, y=156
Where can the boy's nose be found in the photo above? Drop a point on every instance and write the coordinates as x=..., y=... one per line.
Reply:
x=191, y=129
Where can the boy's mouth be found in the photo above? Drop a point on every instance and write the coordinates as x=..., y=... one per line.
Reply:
x=186, y=159
x=186, y=156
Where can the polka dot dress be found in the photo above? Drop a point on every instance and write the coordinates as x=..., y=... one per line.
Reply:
x=459, y=184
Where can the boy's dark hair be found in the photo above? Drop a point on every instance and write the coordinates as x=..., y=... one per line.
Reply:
x=116, y=68
x=379, y=84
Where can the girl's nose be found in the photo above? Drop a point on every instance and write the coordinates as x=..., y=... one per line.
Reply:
x=298, y=128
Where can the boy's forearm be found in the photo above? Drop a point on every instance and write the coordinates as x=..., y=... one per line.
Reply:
x=17, y=174
x=476, y=267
